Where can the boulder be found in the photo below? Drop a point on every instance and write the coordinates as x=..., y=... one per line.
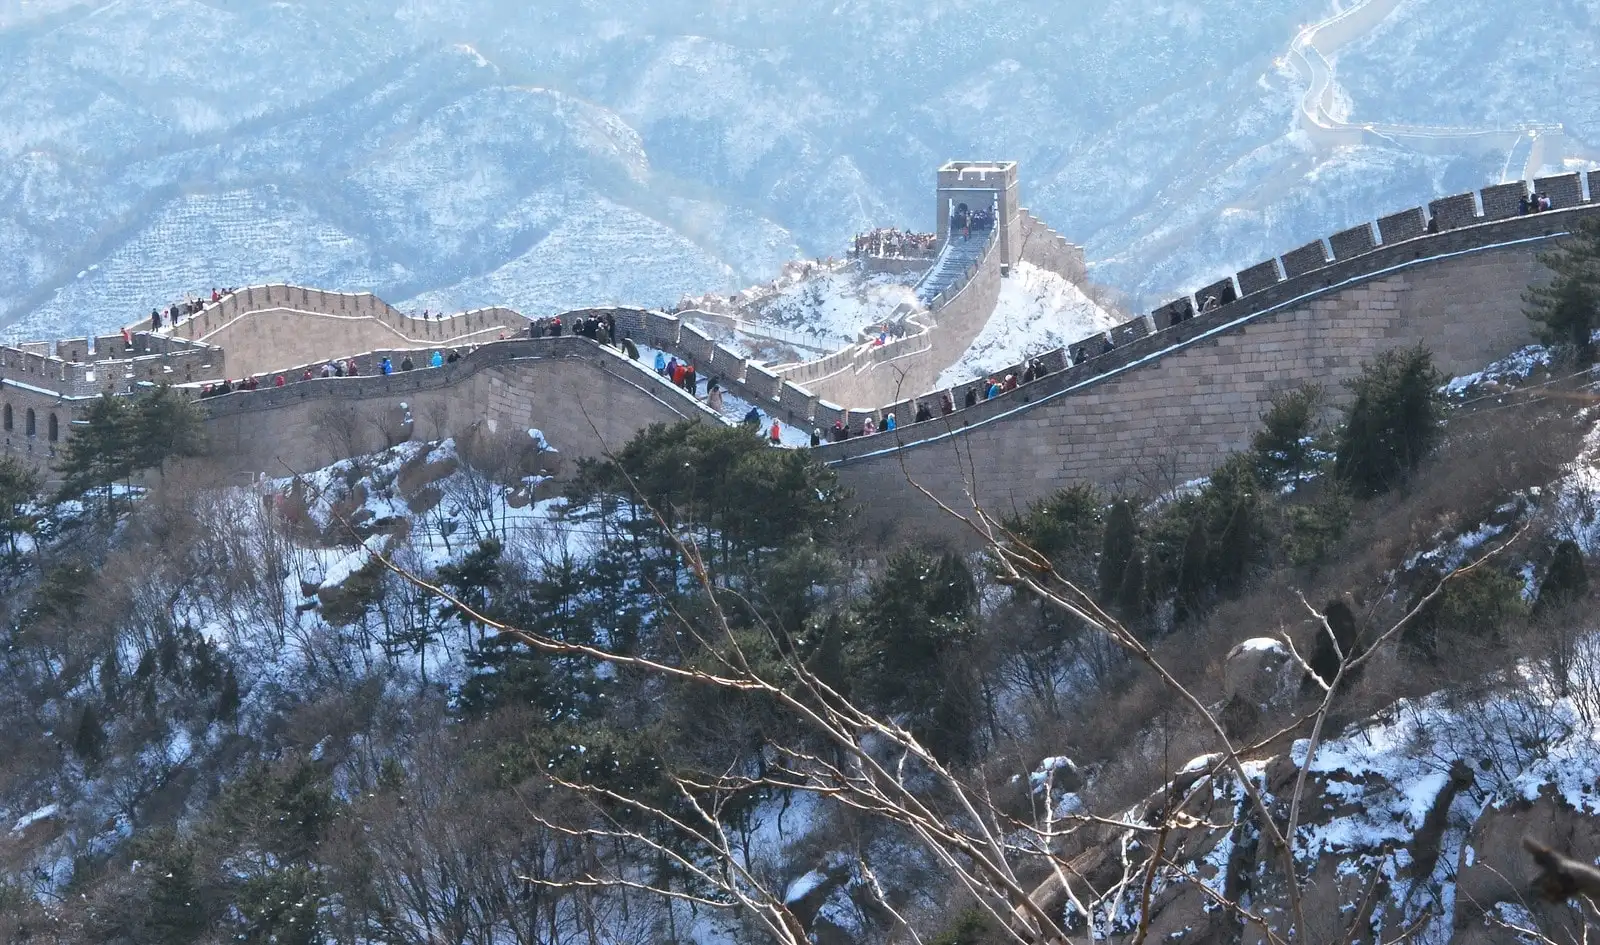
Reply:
x=1254, y=671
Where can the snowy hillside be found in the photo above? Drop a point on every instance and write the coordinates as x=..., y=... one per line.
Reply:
x=834, y=303
x=1038, y=310
x=452, y=153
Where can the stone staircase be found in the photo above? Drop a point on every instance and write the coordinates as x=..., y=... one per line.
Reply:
x=957, y=256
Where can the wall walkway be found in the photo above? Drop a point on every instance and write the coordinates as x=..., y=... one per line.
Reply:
x=584, y=398
x=1169, y=407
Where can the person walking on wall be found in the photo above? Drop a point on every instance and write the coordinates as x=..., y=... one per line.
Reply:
x=437, y=360
x=385, y=366
x=775, y=434
x=629, y=348
x=816, y=436
x=405, y=363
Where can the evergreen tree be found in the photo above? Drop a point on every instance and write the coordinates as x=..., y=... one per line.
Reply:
x=916, y=624
x=474, y=581
x=1393, y=422
x=1475, y=607
x=1131, y=599
x=166, y=426
x=228, y=700
x=1119, y=544
x=89, y=742
x=1236, y=548
x=1326, y=658
x=1281, y=445
x=1067, y=528
x=827, y=661
x=19, y=486
x=176, y=913
x=1566, y=311
x=1565, y=581
x=100, y=450
x=1192, y=582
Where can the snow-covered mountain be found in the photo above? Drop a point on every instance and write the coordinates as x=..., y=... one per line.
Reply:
x=450, y=153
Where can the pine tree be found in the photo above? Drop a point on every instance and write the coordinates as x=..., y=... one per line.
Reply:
x=99, y=450
x=1280, y=445
x=1191, y=587
x=175, y=907
x=1565, y=581
x=1567, y=310
x=228, y=699
x=1121, y=535
x=165, y=426
x=1236, y=549
x=19, y=486
x=89, y=742
x=827, y=662
x=1393, y=422
x=1131, y=598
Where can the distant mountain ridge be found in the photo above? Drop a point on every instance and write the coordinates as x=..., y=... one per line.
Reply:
x=456, y=153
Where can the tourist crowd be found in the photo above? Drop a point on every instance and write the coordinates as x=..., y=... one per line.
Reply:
x=339, y=367
x=1535, y=203
x=987, y=389
x=188, y=308
x=966, y=222
x=890, y=243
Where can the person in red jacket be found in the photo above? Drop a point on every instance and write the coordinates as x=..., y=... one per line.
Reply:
x=775, y=434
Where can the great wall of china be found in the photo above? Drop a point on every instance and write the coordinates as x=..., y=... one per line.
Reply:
x=1528, y=147
x=1180, y=390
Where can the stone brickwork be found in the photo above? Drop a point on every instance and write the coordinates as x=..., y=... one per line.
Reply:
x=1130, y=331
x=1172, y=313
x=499, y=390
x=1565, y=190
x=1504, y=200
x=1405, y=225
x=1449, y=213
x=1311, y=256
x=695, y=344
x=1352, y=242
x=799, y=402
x=762, y=381
x=1141, y=420
x=1049, y=250
x=663, y=330
x=1261, y=276
x=729, y=363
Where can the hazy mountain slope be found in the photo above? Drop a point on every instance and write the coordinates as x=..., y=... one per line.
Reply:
x=444, y=138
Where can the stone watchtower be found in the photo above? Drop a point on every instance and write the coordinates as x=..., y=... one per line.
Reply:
x=983, y=185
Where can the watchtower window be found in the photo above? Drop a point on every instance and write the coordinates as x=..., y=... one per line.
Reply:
x=33, y=425
x=54, y=428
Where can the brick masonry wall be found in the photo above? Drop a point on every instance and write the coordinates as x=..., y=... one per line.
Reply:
x=898, y=375
x=264, y=341
x=584, y=399
x=1049, y=250
x=1176, y=417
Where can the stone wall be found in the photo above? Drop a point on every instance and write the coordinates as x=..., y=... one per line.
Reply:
x=1157, y=419
x=584, y=398
x=1049, y=250
x=33, y=444
x=866, y=376
x=268, y=328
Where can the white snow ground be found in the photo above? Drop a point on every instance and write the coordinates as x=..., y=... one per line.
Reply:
x=1038, y=310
